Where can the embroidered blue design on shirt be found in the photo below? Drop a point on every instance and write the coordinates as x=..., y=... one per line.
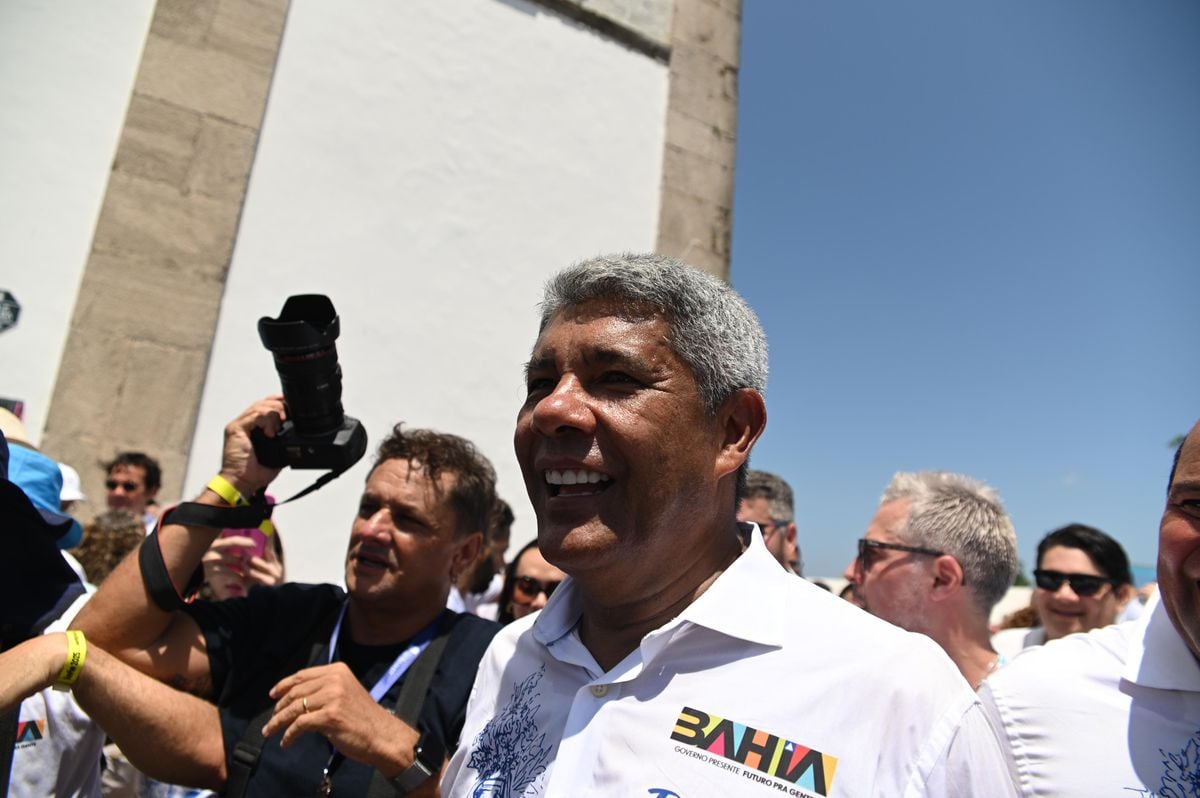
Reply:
x=509, y=752
x=1181, y=779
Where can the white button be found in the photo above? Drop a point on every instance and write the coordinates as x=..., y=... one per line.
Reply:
x=599, y=690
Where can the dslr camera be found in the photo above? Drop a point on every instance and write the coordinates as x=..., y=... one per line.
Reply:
x=318, y=434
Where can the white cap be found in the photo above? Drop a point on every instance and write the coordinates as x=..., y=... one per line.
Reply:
x=72, y=491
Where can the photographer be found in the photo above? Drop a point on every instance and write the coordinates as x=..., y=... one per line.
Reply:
x=317, y=670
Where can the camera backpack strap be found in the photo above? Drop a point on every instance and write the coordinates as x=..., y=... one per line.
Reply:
x=165, y=594
x=245, y=755
x=413, y=692
x=412, y=697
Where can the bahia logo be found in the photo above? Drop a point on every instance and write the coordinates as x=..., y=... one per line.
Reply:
x=768, y=753
x=662, y=792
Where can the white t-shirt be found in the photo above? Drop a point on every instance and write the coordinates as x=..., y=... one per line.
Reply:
x=481, y=604
x=765, y=685
x=1115, y=712
x=57, y=751
x=1008, y=643
x=485, y=604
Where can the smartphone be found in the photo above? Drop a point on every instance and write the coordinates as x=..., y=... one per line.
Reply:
x=259, y=549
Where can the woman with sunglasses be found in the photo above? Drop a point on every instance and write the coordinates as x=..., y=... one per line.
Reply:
x=528, y=582
x=1083, y=581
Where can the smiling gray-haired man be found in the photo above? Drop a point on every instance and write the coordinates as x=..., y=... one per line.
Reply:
x=655, y=667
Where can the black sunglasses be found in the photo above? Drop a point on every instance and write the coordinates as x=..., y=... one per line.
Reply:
x=865, y=545
x=1083, y=585
x=128, y=487
x=771, y=525
x=530, y=587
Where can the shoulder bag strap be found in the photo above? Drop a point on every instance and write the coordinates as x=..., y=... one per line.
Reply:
x=412, y=697
x=248, y=750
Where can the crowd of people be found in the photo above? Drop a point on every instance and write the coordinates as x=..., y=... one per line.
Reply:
x=658, y=638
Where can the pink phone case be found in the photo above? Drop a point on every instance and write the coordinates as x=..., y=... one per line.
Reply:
x=260, y=539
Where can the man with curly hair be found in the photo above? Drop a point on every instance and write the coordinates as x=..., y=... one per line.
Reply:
x=299, y=682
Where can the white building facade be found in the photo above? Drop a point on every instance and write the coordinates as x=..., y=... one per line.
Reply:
x=181, y=168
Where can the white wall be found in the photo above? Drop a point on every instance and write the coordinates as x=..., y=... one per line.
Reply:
x=66, y=74
x=427, y=165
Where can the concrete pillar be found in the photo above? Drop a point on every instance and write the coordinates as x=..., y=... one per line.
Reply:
x=137, y=351
x=696, y=216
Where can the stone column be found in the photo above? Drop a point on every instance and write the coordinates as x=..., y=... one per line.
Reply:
x=696, y=216
x=138, y=346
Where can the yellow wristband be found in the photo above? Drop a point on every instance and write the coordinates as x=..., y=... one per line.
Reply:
x=225, y=489
x=73, y=666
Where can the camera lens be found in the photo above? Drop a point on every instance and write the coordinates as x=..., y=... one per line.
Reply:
x=302, y=343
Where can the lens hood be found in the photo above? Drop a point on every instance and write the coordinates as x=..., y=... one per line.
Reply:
x=306, y=323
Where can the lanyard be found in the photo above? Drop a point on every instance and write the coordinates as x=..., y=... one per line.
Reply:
x=402, y=662
x=399, y=666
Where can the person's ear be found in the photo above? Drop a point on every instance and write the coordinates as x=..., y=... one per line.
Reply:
x=1125, y=594
x=743, y=417
x=947, y=576
x=466, y=552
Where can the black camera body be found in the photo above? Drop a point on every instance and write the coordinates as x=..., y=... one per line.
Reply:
x=318, y=434
x=336, y=451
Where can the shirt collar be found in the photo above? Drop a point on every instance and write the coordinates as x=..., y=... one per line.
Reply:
x=1162, y=660
x=743, y=602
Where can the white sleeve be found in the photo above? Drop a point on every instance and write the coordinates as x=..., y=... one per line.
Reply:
x=974, y=765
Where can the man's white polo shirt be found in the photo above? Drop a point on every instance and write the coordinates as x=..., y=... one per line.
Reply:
x=1115, y=712
x=765, y=685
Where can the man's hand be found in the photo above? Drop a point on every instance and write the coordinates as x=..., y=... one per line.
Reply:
x=328, y=700
x=239, y=465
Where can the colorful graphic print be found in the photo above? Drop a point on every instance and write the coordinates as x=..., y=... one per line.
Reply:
x=768, y=753
x=29, y=732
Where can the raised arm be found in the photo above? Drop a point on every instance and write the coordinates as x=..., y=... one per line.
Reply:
x=123, y=619
x=167, y=734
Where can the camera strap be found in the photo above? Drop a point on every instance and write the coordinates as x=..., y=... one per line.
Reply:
x=163, y=592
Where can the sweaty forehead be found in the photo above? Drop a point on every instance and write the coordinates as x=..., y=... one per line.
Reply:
x=411, y=472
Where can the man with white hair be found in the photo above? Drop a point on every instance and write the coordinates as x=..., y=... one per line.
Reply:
x=937, y=556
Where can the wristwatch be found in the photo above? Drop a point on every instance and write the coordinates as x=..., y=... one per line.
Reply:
x=427, y=760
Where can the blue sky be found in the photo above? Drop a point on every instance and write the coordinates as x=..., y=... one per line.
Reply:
x=972, y=232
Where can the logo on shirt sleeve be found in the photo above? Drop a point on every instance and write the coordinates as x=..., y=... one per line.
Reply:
x=757, y=750
x=28, y=733
x=509, y=752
